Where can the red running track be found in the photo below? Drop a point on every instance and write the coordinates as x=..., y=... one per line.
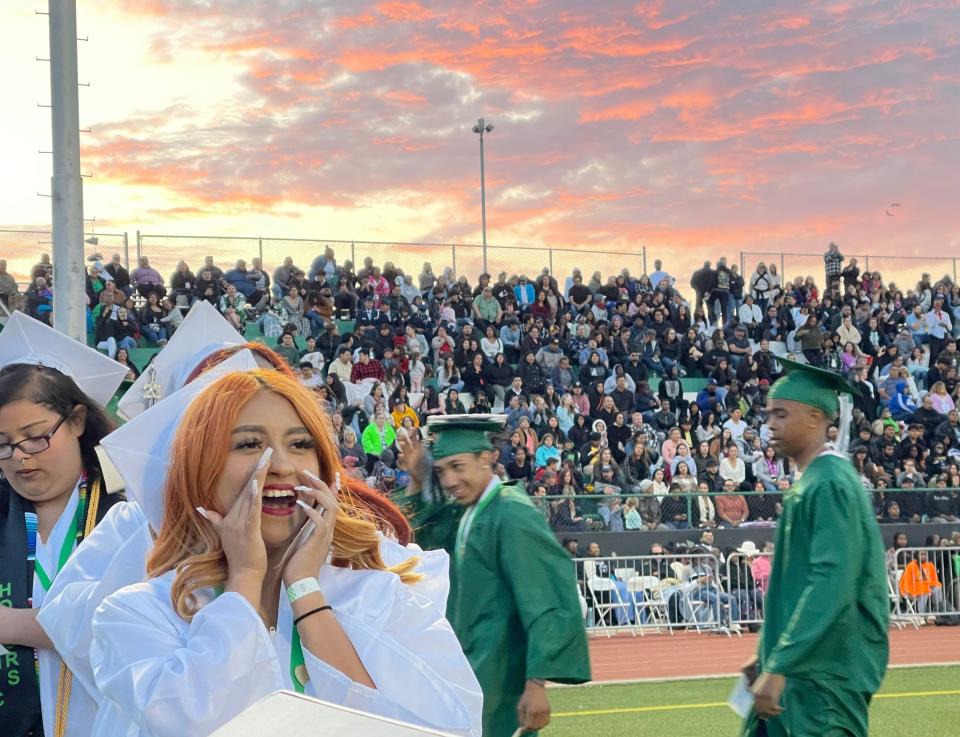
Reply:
x=688, y=654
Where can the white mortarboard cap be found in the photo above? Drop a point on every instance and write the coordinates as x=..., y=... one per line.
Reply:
x=293, y=713
x=140, y=450
x=26, y=340
x=203, y=331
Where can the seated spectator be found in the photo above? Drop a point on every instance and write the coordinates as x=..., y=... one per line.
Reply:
x=146, y=279
x=183, y=284
x=233, y=306
x=401, y=411
x=378, y=436
x=113, y=333
x=732, y=468
x=287, y=349
x=39, y=299
x=732, y=509
x=119, y=275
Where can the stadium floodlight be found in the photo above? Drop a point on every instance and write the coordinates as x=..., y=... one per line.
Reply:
x=480, y=128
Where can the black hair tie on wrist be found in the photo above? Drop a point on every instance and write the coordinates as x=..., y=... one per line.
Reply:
x=302, y=617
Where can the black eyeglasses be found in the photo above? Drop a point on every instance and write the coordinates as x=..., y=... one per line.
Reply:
x=31, y=446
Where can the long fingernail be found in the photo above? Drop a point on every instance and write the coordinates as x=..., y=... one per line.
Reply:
x=202, y=512
x=303, y=488
x=303, y=504
x=254, y=490
x=336, y=480
x=264, y=459
x=312, y=475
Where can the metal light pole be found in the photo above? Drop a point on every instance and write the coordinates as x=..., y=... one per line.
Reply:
x=481, y=128
x=66, y=185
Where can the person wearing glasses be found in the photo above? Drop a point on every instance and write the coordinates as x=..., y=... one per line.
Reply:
x=52, y=494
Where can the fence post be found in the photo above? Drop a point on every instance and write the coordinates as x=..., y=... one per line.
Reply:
x=138, y=247
x=954, y=271
x=260, y=249
x=783, y=270
x=643, y=253
x=126, y=251
x=743, y=266
x=453, y=252
x=866, y=263
x=550, y=259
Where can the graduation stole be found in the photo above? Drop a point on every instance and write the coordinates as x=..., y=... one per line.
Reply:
x=20, y=711
x=466, y=522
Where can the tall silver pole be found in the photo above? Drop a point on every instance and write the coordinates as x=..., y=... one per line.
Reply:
x=69, y=313
x=483, y=199
x=483, y=127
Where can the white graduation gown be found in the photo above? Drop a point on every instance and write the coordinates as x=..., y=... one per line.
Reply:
x=114, y=556
x=81, y=707
x=164, y=677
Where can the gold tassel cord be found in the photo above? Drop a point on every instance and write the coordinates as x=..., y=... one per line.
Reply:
x=65, y=679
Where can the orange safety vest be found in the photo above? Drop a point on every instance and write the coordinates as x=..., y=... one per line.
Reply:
x=919, y=579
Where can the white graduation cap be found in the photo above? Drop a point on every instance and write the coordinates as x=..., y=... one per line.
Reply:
x=203, y=331
x=292, y=713
x=26, y=340
x=140, y=450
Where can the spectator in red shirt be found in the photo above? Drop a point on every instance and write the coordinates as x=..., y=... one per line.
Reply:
x=731, y=507
x=367, y=368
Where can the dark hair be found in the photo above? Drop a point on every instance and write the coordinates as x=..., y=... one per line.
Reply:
x=58, y=393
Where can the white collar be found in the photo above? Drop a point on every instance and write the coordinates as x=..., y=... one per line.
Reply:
x=493, y=484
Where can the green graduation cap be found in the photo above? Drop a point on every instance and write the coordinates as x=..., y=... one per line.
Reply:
x=455, y=434
x=813, y=386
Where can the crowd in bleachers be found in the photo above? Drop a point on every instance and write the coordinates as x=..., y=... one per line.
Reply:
x=629, y=404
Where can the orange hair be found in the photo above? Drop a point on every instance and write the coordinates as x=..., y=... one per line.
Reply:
x=222, y=354
x=190, y=546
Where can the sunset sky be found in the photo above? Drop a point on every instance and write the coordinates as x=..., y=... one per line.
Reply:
x=692, y=127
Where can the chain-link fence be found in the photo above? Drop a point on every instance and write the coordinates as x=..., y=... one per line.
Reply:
x=465, y=259
x=22, y=249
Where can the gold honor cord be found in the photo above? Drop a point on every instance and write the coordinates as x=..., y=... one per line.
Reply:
x=65, y=679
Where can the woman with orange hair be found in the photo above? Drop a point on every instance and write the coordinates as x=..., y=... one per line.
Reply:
x=243, y=599
x=115, y=553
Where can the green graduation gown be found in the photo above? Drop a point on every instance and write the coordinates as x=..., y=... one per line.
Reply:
x=826, y=609
x=513, y=599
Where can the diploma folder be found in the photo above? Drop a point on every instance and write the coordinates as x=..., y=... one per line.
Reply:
x=286, y=712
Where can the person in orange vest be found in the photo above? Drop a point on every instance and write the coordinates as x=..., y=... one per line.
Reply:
x=921, y=582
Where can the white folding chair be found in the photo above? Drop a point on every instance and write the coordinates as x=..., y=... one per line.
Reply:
x=653, y=604
x=604, y=588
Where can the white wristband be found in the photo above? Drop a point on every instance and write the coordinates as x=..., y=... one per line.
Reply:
x=299, y=589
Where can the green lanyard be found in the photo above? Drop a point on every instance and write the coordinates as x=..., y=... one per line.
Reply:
x=68, y=543
x=466, y=522
x=298, y=670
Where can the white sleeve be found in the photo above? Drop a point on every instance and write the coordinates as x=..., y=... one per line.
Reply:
x=171, y=680
x=415, y=661
x=112, y=557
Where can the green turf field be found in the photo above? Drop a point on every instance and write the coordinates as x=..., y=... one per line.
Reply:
x=906, y=705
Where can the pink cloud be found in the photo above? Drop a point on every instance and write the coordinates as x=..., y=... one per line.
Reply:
x=677, y=123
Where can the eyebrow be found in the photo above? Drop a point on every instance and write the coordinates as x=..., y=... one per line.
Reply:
x=262, y=429
x=32, y=424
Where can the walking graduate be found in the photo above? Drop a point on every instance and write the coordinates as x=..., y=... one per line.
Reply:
x=52, y=394
x=823, y=648
x=513, y=596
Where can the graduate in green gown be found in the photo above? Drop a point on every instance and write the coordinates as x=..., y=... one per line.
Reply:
x=513, y=597
x=823, y=648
